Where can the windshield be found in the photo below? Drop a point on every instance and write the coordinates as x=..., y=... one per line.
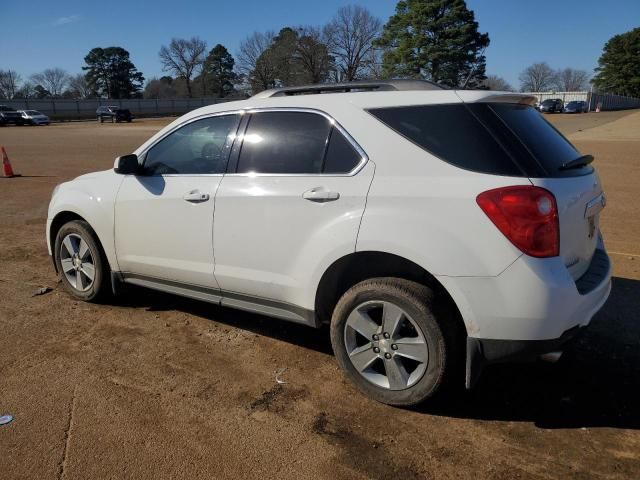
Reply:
x=33, y=112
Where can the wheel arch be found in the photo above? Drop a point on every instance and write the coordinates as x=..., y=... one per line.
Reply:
x=62, y=218
x=358, y=266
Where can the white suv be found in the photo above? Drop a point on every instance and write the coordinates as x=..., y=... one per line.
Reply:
x=431, y=228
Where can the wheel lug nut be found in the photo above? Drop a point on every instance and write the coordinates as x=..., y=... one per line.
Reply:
x=376, y=349
x=386, y=335
x=387, y=355
x=376, y=337
x=394, y=347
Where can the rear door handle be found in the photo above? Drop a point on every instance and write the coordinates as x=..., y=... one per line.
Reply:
x=320, y=195
x=196, y=196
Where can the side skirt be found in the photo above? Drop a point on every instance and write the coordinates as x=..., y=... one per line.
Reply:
x=262, y=306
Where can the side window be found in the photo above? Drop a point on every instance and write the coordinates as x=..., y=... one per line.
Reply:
x=196, y=148
x=341, y=156
x=284, y=142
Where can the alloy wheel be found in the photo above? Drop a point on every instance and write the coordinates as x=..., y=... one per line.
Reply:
x=385, y=345
x=77, y=262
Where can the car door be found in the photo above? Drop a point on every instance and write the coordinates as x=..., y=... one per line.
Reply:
x=292, y=201
x=164, y=216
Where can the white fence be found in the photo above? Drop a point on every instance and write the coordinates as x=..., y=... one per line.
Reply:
x=63, y=109
x=604, y=101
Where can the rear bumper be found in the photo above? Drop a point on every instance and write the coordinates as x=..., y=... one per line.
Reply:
x=533, y=299
x=533, y=307
x=483, y=351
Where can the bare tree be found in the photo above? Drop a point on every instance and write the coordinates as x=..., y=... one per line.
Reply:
x=349, y=36
x=27, y=90
x=54, y=80
x=9, y=81
x=571, y=80
x=79, y=87
x=254, y=64
x=494, y=82
x=183, y=57
x=312, y=54
x=538, y=77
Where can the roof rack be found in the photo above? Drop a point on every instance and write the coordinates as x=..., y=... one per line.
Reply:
x=356, y=86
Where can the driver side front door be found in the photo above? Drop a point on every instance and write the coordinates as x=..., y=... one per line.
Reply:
x=164, y=217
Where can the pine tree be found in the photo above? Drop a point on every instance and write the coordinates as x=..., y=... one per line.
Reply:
x=436, y=40
x=111, y=74
x=618, y=68
x=218, y=76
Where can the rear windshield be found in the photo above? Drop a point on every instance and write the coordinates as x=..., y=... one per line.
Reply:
x=495, y=138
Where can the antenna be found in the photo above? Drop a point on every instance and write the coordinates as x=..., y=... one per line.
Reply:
x=464, y=85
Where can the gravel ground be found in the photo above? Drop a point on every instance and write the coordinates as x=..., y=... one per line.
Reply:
x=153, y=386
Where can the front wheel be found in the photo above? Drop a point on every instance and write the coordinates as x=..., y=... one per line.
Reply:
x=80, y=261
x=391, y=339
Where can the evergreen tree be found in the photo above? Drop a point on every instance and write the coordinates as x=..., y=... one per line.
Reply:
x=217, y=76
x=618, y=68
x=436, y=40
x=111, y=74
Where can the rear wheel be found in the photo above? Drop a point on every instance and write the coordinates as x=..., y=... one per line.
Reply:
x=100, y=119
x=82, y=266
x=390, y=338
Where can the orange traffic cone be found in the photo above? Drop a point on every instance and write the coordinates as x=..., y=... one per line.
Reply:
x=7, y=171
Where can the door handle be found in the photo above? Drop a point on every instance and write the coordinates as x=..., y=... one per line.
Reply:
x=320, y=195
x=196, y=196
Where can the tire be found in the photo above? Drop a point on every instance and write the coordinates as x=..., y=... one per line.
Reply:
x=78, y=232
x=113, y=119
x=422, y=312
x=100, y=119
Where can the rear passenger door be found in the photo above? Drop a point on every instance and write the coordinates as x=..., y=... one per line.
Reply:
x=292, y=199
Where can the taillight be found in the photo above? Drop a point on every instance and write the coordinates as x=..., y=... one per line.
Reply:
x=527, y=216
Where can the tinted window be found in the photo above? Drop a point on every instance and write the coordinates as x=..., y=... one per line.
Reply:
x=452, y=133
x=284, y=142
x=549, y=147
x=341, y=157
x=198, y=147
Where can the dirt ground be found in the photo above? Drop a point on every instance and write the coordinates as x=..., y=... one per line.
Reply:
x=154, y=386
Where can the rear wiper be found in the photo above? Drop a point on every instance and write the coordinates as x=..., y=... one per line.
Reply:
x=582, y=161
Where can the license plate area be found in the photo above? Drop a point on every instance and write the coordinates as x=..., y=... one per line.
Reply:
x=592, y=213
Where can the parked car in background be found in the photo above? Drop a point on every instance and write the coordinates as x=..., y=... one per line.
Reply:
x=576, y=106
x=114, y=114
x=551, y=105
x=9, y=115
x=34, y=117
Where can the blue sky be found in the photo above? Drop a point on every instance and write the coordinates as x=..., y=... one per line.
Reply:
x=42, y=34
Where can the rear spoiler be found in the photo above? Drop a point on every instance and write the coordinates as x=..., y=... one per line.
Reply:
x=478, y=96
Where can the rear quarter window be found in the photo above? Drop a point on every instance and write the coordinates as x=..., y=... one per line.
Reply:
x=452, y=133
x=494, y=138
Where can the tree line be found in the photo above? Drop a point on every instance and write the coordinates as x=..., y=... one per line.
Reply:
x=437, y=40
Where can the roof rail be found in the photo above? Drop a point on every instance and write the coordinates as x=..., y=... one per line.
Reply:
x=356, y=86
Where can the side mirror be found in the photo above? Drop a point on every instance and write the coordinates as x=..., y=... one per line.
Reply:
x=127, y=165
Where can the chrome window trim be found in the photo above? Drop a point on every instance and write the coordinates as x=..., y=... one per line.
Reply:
x=364, y=158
